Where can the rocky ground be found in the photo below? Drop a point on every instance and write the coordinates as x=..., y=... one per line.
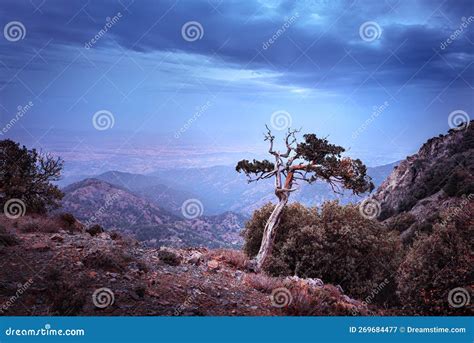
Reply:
x=57, y=271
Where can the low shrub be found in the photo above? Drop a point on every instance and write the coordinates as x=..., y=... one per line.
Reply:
x=105, y=260
x=7, y=239
x=234, y=258
x=438, y=264
x=67, y=298
x=94, y=230
x=337, y=245
x=169, y=257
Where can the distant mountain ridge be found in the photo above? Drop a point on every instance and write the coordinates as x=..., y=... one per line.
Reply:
x=95, y=201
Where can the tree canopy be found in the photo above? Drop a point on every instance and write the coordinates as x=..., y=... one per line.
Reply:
x=26, y=175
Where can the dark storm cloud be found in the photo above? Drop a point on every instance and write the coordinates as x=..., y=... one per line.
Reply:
x=323, y=39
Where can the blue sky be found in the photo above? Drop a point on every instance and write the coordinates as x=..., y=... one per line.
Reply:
x=378, y=77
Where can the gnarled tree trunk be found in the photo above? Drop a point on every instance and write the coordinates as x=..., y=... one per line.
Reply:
x=272, y=223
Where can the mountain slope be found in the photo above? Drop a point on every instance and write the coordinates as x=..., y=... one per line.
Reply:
x=434, y=179
x=94, y=201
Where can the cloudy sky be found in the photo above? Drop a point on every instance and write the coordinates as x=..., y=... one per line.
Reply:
x=379, y=77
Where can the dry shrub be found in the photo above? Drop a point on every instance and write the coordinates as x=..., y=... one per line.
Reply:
x=66, y=297
x=234, y=258
x=43, y=224
x=6, y=238
x=323, y=301
x=262, y=282
x=106, y=260
x=169, y=257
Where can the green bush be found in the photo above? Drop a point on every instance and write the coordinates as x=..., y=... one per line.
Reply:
x=294, y=215
x=437, y=264
x=337, y=245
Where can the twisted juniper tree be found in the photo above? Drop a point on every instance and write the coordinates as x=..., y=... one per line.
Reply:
x=307, y=161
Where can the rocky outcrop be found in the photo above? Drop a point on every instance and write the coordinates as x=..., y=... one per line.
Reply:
x=433, y=180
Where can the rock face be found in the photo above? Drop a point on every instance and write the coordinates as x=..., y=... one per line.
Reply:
x=433, y=180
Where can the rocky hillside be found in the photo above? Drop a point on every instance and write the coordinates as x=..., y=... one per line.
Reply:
x=94, y=201
x=51, y=268
x=439, y=177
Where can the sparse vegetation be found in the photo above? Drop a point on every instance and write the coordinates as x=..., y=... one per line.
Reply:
x=6, y=238
x=437, y=264
x=169, y=257
x=94, y=230
x=106, y=260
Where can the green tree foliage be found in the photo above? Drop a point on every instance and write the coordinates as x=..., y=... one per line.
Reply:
x=439, y=263
x=336, y=244
x=27, y=175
